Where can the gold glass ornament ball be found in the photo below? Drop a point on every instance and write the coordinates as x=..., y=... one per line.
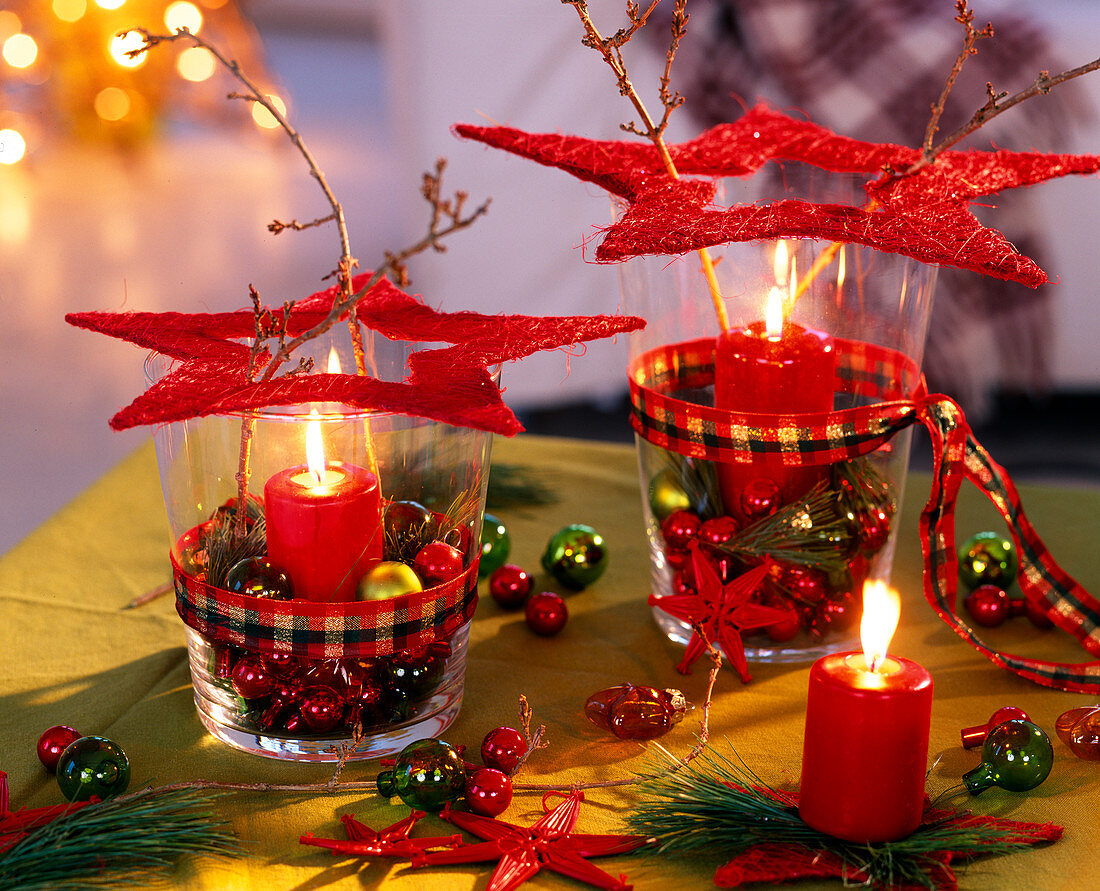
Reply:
x=388, y=579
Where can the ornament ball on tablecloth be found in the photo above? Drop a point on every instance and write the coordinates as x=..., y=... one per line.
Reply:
x=546, y=613
x=1016, y=755
x=496, y=545
x=427, y=774
x=53, y=742
x=503, y=748
x=488, y=792
x=509, y=586
x=987, y=559
x=576, y=556
x=92, y=766
x=972, y=737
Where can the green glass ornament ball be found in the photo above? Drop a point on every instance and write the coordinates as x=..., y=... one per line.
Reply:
x=987, y=559
x=576, y=556
x=666, y=495
x=91, y=766
x=1016, y=755
x=496, y=544
x=426, y=775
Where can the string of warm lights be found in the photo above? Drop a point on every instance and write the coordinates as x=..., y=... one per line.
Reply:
x=64, y=68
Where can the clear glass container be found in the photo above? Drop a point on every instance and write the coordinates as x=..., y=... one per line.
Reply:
x=357, y=649
x=853, y=337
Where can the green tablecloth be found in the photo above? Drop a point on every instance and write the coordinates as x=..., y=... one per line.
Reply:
x=71, y=655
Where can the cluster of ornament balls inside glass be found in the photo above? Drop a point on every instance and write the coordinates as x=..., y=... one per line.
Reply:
x=283, y=693
x=812, y=555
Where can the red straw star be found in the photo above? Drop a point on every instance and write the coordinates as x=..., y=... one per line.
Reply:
x=924, y=215
x=523, y=851
x=393, y=841
x=452, y=384
x=721, y=612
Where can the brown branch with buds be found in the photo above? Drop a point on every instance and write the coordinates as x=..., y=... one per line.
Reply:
x=611, y=50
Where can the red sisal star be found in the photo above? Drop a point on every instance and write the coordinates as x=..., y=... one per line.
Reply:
x=722, y=612
x=924, y=215
x=523, y=851
x=451, y=384
x=393, y=841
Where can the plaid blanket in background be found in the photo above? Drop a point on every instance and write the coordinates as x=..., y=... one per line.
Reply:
x=871, y=69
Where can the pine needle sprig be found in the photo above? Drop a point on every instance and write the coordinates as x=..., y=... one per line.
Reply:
x=514, y=484
x=122, y=841
x=809, y=532
x=224, y=548
x=717, y=804
x=699, y=481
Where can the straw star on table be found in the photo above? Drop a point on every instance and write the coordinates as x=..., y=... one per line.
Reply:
x=393, y=841
x=720, y=613
x=522, y=851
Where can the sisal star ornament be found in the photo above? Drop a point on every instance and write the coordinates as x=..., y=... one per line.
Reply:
x=393, y=841
x=723, y=613
x=450, y=384
x=549, y=843
x=925, y=214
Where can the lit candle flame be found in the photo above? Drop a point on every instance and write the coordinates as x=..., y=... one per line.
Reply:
x=315, y=448
x=780, y=263
x=334, y=362
x=881, y=610
x=793, y=291
x=840, y=269
x=773, y=315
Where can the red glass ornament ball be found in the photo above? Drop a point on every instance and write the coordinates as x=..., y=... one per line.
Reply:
x=546, y=613
x=680, y=528
x=988, y=605
x=510, y=585
x=502, y=748
x=717, y=530
x=488, y=792
x=874, y=529
x=760, y=498
x=1021, y=606
x=636, y=712
x=321, y=708
x=53, y=742
x=251, y=678
x=437, y=562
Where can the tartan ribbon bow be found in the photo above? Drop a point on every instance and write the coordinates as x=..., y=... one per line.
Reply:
x=892, y=380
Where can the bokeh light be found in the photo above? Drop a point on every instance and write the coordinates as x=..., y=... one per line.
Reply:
x=182, y=14
x=70, y=10
x=265, y=118
x=20, y=50
x=12, y=146
x=196, y=64
x=121, y=44
x=112, y=103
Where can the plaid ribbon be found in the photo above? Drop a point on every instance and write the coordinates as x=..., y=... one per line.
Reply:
x=326, y=630
x=869, y=371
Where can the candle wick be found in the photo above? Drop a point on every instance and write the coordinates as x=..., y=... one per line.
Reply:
x=876, y=661
x=318, y=476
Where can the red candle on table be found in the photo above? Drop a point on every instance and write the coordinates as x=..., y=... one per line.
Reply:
x=772, y=367
x=865, y=753
x=324, y=524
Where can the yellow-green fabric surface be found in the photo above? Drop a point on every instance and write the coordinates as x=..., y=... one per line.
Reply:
x=72, y=655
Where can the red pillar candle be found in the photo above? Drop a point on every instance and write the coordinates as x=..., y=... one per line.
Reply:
x=324, y=527
x=865, y=753
x=772, y=367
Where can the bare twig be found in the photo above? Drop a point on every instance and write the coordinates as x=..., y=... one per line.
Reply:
x=971, y=36
x=611, y=50
x=150, y=595
x=277, y=226
x=346, y=263
x=535, y=741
